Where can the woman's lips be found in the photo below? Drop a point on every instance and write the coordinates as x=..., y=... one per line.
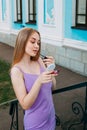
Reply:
x=35, y=51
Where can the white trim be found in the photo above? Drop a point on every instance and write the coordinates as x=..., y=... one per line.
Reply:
x=73, y=12
x=75, y=44
x=49, y=25
x=5, y=31
x=26, y=11
x=53, y=40
x=9, y=31
x=0, y=10
x=15, y=32
x=49, y=30
x=15, y=16
x=5, y=24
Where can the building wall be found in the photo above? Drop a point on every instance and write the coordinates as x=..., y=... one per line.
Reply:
x=69, y=32
x=17, y=26
x=75, y=41
x=67, y=45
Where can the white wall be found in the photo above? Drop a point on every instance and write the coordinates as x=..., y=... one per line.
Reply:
x=52, y=34
x=6, y=23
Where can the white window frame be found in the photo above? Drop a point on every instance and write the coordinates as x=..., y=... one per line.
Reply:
x=27, y=13
x=76, y=24
x=52, y=33
x=5, y=24
x=15, y=12
x=72, y=42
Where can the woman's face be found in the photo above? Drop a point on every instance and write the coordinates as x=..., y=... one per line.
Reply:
x=33, y=44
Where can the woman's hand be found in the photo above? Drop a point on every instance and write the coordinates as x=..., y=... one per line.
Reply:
x=45, y=77
x=48, y=60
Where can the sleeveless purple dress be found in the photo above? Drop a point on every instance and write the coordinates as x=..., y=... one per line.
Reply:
x=41, y=115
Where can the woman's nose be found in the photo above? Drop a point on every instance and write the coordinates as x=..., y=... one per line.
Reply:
x=36, y=45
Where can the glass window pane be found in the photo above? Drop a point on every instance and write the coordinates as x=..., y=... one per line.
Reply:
x=31, y=6
x=81, y=20
x=3, y=9
x=32, y=10
x=82, y=7
x=19, y=18
x=49, y=15
x=18, y=6
x=19, y=9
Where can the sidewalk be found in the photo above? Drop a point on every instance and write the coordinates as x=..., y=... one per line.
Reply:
x=64, y=79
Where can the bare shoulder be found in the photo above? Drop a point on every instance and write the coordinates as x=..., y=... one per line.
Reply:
x=15, y=71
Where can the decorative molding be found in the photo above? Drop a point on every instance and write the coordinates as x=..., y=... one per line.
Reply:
x=75, y=44
x=49, y=30
x=5, y=30
x=49, y=26
x=49, y=12
x=50, y=20
x=53, y=40
x=14, y=32
x=9, y=31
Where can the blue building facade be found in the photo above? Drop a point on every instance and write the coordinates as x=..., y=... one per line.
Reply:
x=24, y=11
x=63, y=30
x=72, y=33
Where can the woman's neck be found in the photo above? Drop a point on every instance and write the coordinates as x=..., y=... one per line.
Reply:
x=26, y=59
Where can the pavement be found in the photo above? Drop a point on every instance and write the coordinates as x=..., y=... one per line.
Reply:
x=62, y=102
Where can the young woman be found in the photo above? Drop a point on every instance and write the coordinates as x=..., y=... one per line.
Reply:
x=31, y=81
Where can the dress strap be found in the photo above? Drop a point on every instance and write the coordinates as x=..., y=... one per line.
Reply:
x=19, y=68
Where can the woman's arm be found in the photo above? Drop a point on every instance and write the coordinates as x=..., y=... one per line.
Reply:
x=25, y=99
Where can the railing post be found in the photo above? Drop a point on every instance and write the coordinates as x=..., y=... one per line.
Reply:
x=14, y=114
x=85, y=113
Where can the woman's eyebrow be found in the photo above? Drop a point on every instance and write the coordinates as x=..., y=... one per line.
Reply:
x=35, y=38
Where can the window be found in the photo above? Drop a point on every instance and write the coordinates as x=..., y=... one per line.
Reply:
x=3, y=10
x=81, y=14
x=31, y=11
x=18, y=11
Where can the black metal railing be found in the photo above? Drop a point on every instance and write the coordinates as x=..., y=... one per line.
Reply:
x=77, y=108
x=14, y=115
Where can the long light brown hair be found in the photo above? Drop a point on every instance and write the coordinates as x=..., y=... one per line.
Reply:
x=20, y=45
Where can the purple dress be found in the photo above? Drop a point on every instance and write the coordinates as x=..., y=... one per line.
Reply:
x=41, y=115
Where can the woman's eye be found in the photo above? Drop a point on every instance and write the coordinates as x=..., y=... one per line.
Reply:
x=33, y=42
x=38, y=43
